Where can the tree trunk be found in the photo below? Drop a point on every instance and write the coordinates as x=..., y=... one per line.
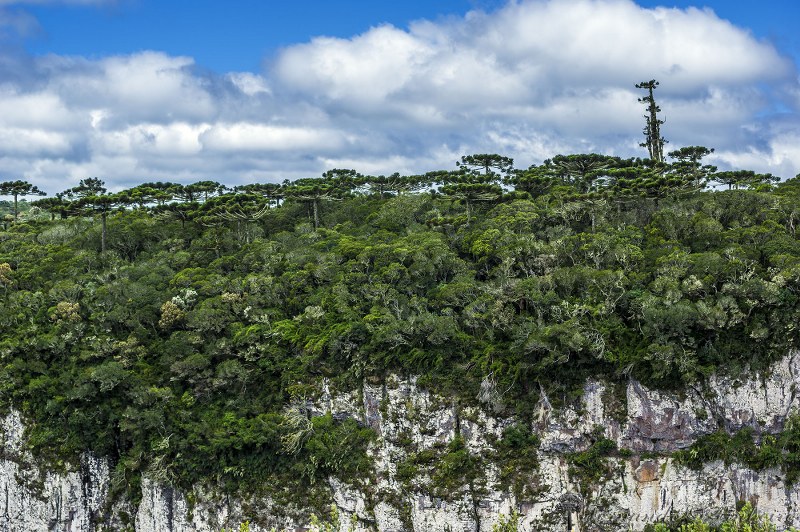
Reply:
x=316, y=214
x=16, y=211
x=103, y=218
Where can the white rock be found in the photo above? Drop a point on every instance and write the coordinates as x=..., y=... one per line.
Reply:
x=409, y=419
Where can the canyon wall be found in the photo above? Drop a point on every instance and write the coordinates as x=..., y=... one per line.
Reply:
x=639, y=486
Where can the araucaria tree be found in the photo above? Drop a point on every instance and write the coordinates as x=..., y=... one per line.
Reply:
x=90, y=197
x=487, y=162
x=654, y=142
x=17, y=189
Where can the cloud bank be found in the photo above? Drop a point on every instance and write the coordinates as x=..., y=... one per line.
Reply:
x=531, y=80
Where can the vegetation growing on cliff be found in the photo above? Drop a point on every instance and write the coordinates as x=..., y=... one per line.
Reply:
x=756, y=451
x=169, y=326
x=747, y=519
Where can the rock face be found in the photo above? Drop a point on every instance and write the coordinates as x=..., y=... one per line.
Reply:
x=631, y=493
x=32, y=499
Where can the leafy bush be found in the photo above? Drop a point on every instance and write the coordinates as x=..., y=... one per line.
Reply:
x=746, y=520
x=781, y=450
x=591, y=466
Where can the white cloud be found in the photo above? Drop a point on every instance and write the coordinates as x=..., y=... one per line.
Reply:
x=261, y=137
x=147, y=86
x=779, y=156
x=529, y=53
x=177, y=139
x=36, y=110
x=33, y=142
x=530, y=80
x=250, y=84
x=558, y=71
x=364, y=70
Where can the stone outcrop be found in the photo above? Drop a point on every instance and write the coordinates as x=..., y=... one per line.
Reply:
x=639, y=489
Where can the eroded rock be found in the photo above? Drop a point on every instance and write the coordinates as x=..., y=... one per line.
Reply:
x=408, y=419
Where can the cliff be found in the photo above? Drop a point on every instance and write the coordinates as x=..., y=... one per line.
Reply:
x=416, y=431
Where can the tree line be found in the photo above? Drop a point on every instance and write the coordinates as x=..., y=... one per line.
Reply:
x=479, y=178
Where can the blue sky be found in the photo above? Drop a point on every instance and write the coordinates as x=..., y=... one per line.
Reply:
x=223, y=36
x=248, y=90
x=240, y=34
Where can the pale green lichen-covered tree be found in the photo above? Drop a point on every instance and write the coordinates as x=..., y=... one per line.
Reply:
x=654, y=142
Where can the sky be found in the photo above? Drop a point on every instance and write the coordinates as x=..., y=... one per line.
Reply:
x=260, y=90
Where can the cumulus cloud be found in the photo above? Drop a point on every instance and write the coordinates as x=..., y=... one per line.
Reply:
x=148, y=86
x=259, y=137
x=530, y=80
x=561, y=72
x=532, y=53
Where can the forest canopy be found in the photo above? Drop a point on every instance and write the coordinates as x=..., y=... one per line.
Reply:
x=183, y=328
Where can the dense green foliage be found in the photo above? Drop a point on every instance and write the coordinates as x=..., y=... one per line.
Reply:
x=507, y=523
x=746, y=520
x=590, y=467
x=516, y=456
x=185, y=329
x=781, y=450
